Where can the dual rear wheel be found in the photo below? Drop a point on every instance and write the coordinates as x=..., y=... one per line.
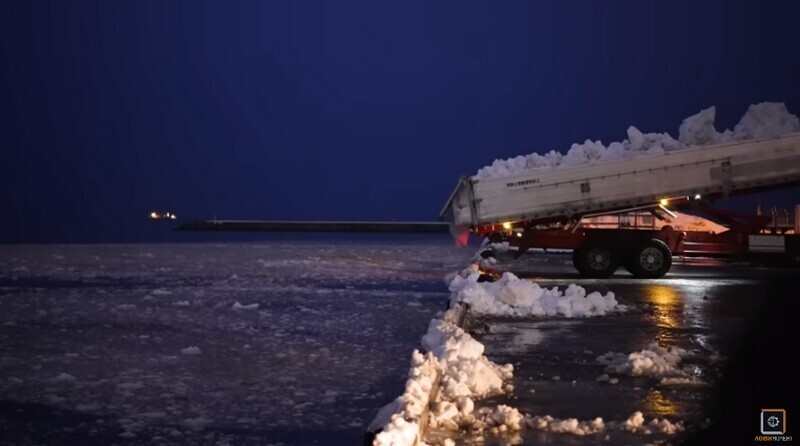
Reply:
x=599, y=259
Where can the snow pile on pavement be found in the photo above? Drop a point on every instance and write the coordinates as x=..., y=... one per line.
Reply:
x=568, y=426
x=466, y=371
x=654, y=361
x=511, y=296
x=464, y=374
x=634, y=424
x=763, y=120
x=457, y=361
x=400, y=420
x=503, y=418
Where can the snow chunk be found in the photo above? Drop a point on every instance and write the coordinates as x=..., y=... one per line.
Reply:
x=653, y=361
x=501, y=247
x=64, y=378
x=636, y=424
x=682, y=381
x=665, y=426
x=238, y=306
x=506, y=416
x=398, y=433
x=698, y=129
x=766, y=120
x=191, y=350
x=568, y=426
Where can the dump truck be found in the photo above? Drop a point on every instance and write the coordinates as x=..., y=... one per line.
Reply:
x=547, y=208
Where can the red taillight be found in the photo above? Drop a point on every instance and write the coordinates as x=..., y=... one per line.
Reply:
x=462, y=239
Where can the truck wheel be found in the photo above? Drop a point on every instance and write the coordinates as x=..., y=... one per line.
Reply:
x=485, y=254
x=497, y=237
x=485, y=278
x=652, y=260
x=595, y=260
x=576, y=262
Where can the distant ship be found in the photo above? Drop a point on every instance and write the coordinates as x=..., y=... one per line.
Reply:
x=165, y=216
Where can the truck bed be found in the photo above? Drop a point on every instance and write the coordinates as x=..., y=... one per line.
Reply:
x=566, y=193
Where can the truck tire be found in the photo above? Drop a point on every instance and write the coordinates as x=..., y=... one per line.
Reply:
x=486, y=253
x=651, y=260
x=497, y=237
x=596, y=260
x=576, y=262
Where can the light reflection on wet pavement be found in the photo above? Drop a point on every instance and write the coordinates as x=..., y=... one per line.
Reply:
x=706, y=310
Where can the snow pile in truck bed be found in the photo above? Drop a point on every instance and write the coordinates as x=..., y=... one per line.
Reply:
x=511, y=296
x=763, y=120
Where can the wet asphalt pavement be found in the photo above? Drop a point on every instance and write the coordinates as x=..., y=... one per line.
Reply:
x=733, y=318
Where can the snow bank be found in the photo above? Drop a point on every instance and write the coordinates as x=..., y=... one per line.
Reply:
x=654, y=361
x=764, y=120
x=400, y=420
x=464, y=374
x=511, y=296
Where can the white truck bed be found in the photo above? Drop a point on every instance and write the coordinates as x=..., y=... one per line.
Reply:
x=624, y=183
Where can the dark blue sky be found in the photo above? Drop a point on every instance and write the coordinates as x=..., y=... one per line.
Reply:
x=344, y=110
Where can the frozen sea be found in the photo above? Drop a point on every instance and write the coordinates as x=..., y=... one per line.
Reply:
x=284, y=342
